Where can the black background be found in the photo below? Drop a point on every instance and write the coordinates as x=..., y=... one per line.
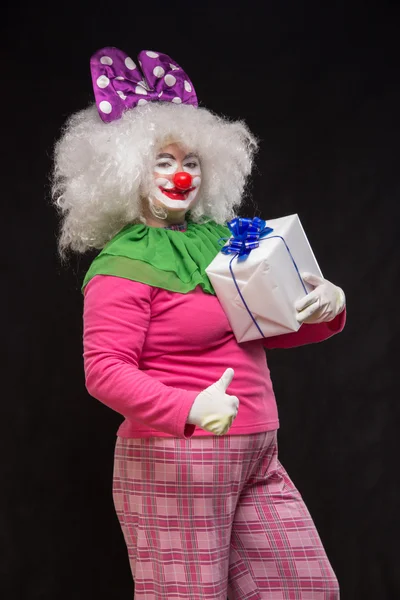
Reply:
x=318, y=83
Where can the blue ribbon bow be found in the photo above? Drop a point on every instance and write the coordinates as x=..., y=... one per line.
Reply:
x=246, y=235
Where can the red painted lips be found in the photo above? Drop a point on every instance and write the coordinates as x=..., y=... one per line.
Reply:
x=176, y=194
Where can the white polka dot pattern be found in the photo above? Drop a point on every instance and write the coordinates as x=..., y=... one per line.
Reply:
x=119, y=84
x=158, y=71
x=129, y=63
x=139, y=89
x=103, y=81
x=170, y=80
x=105, y=107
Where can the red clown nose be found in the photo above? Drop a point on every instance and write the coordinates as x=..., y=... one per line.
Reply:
x=182, y=180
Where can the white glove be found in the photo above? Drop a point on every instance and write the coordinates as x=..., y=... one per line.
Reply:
x=322, y=304
x=213, y=409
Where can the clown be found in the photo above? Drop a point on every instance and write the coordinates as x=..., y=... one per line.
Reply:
x=150, y=179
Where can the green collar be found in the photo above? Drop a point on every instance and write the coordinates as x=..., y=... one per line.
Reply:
x=163, y=258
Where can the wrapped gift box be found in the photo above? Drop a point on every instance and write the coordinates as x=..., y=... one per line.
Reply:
x=267, y=280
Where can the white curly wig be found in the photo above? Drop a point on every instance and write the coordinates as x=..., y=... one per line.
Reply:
x=102, y=171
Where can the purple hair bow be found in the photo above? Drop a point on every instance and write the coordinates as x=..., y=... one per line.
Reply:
x=120, y=84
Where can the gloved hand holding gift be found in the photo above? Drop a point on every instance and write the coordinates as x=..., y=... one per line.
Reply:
x=268, y=280
x=323, y=304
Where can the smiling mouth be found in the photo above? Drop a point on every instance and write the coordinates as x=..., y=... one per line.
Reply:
x=176, y=194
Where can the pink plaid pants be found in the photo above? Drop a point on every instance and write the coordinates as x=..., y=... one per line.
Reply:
x=217, y=518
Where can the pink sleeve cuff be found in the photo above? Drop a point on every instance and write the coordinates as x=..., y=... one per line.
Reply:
x=184, y=429
x=308, y=334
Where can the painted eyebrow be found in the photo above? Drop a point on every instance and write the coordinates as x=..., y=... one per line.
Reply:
x=166, y=155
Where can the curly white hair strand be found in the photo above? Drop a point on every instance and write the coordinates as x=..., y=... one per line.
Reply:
x=103, y=171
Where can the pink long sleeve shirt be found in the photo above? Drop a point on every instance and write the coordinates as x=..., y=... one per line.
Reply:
x=149, y=352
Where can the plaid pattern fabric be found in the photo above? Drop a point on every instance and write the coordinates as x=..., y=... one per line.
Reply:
x=217, y=517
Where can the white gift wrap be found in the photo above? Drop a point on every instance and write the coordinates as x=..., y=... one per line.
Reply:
x=268, y=281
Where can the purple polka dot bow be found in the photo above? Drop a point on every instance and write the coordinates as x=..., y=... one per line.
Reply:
x=120, y=84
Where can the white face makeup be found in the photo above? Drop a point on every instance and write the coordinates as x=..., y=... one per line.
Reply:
x=177, y=178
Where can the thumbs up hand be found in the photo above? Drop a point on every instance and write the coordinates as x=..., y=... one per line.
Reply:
x=213, y=409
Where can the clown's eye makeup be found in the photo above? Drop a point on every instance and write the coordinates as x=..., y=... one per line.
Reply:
x=166, y=165
x=192, y=165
